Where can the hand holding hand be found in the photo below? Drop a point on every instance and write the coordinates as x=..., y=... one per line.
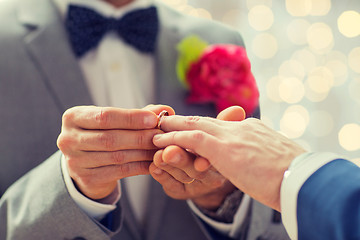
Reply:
x=102, y=145
x=174, y=168
x=251, y=155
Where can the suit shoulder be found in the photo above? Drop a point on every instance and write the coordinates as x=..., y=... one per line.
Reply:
x=185, y=25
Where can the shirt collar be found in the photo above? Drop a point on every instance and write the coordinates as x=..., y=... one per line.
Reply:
x=102, y=7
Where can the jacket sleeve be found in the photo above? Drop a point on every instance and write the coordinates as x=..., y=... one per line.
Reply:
x=38, y=206
x=320, y=198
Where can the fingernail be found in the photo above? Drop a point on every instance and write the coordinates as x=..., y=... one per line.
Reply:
x=150, y=121
x=158, y=171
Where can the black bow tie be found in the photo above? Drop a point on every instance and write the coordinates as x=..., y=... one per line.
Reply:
x=86, y=28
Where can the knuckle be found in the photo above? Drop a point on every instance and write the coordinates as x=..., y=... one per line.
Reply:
x=129, y=119
x=198, y=135
x=124, y=169
x=140, y=139
x=107, y=140
x=68, y=116
x=102, y=117
x=118, y=157
x=64, y=142
x=191, y=120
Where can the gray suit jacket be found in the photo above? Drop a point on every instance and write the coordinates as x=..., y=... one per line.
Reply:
x=39, y=80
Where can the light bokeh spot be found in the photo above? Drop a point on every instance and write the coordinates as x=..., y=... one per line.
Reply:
x=320, y=37
x=314, y=97
x=349, y=24
x=298, y=8
x=297, y=30
x=349, y=137
x=306, y=58
x=339, y=71
x=265, y=46
x=354, y=60
x=292, y=68
x=252, y=3
x=320, y=80
x=261, y=17
x=320, y=7
x=294, y=121
x=291, y=90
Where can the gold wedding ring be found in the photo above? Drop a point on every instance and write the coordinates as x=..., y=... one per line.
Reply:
x=160, y=116
x=190, y=181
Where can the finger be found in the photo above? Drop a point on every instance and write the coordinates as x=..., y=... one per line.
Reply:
x=91, y=117
x=197, y=141
x=177, y=173
x=178, y=158
x=95, y=183
x=159, y=108
x=100, y=159
x=105, y=174
x=183, y=160
x=234, y=113
x=171, y=186
x=183, y=123
x=201, y=164
x=115, y=140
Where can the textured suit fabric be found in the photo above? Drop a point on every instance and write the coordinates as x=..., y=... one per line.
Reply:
x=40, y=79
x=329, y=203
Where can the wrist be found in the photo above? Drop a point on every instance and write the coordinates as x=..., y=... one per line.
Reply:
x=226, y=211
x=212, y=201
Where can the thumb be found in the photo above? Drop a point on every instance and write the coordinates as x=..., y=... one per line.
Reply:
x=234, y=113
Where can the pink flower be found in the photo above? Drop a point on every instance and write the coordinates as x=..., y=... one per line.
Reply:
x=223, y=76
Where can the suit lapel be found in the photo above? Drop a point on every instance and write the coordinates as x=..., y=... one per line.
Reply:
x=48, y=46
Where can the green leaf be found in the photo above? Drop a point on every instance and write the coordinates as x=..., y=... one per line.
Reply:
x=190, y=50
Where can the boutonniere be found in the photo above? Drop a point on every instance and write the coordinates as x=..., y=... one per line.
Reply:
x=219, y=74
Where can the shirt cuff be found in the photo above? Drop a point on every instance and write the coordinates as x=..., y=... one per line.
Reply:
x=229, y=229
x=301, y=168
x=97, y=210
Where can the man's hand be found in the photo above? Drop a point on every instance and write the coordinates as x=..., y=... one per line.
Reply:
x=174, y=169
x=248, y=153
x=102, y=145
x=183, y=175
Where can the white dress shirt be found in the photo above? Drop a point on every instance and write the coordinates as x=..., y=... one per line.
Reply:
x=299, y=171
x=113, y=80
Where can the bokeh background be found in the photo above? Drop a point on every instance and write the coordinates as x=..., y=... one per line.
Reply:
x=305, y=56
